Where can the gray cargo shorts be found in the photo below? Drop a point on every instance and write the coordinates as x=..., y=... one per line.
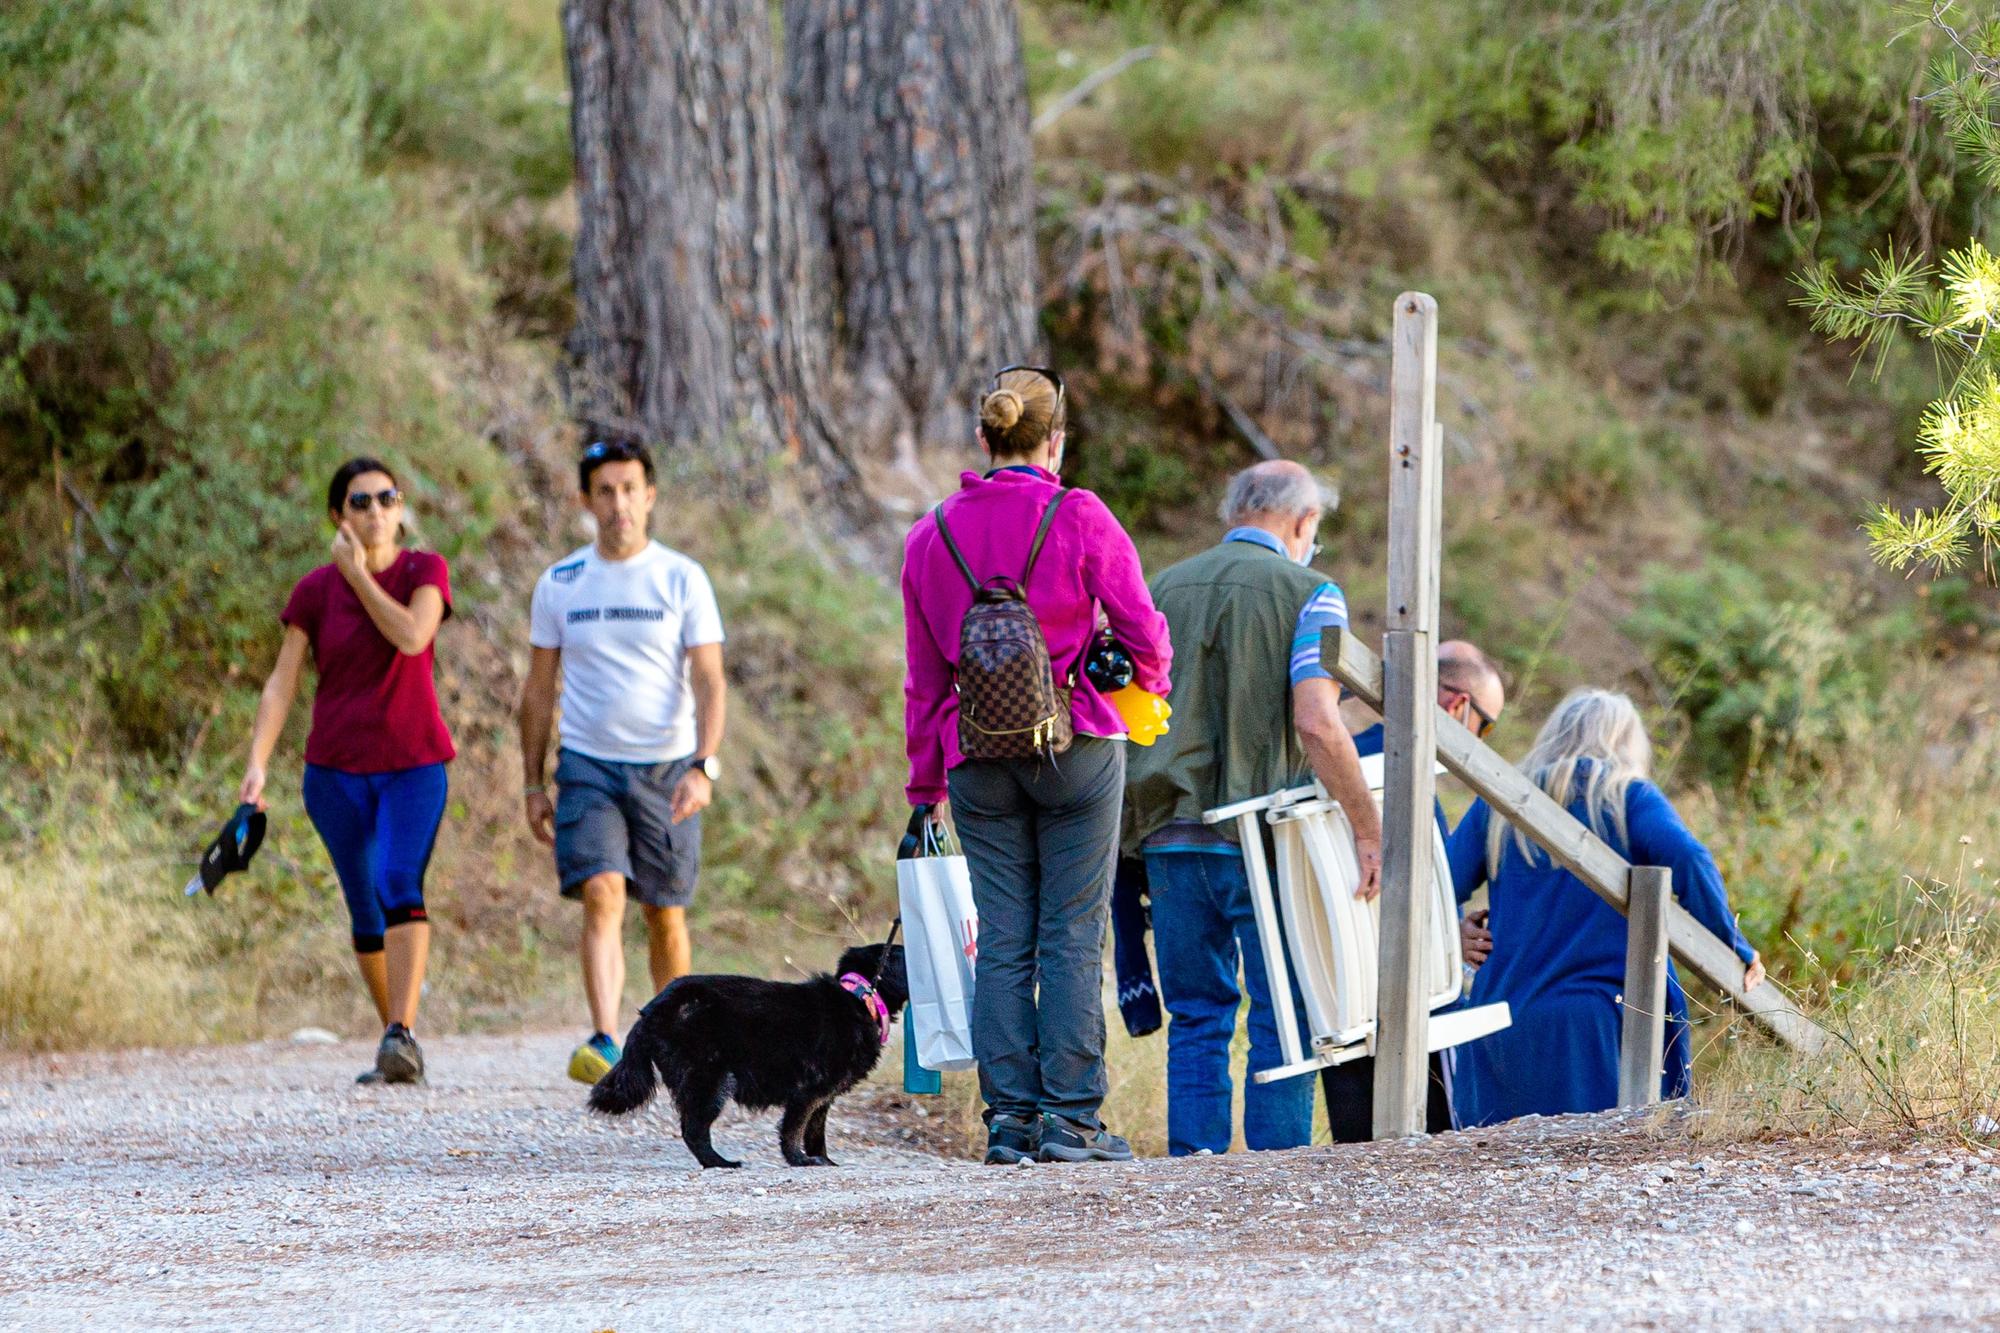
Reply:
x=613, y=816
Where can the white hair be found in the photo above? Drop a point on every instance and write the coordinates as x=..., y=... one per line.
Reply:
x=1600, y=733
x=1288, y=491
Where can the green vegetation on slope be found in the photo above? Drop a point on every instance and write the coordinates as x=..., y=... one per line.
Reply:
x=348, y=233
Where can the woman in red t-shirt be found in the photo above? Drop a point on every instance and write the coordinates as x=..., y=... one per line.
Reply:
x=375, y=757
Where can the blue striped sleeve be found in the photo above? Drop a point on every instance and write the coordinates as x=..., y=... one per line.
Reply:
x=1325, y=609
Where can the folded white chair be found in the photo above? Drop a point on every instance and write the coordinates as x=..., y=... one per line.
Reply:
x=1330, y=938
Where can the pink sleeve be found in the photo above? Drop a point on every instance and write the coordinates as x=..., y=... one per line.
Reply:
x=1112, y=575
x=926, y=688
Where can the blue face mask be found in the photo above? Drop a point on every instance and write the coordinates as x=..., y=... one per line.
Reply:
x=1312, y=554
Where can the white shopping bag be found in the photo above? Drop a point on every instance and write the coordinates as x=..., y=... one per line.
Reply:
x=941, y=950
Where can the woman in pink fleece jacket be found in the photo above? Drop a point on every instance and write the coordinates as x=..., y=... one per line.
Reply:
x=1040, y=834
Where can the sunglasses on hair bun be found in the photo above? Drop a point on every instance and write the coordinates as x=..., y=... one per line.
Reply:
x=1044, y=371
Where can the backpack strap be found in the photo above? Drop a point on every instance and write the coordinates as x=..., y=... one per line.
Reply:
x=1041, y=535
x=937, y=513
x=1034, y=551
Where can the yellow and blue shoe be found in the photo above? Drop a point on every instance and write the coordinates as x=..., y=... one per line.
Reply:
x=593, y=1060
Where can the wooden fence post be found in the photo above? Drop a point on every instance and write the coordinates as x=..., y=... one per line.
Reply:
x=1643, y=1044
x=1409, y=741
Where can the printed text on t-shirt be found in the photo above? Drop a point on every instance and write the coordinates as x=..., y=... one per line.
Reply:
x=615, y=613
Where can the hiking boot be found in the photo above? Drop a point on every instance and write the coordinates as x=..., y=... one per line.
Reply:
x=399, y=1059
x=369, y=1077
x=1063, y=1140
x=593, y=1060
x=1010, y=1140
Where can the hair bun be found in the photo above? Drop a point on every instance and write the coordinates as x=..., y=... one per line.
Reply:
x=1001, y=409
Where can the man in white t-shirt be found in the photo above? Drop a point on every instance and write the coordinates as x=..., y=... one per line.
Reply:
x=632, y=629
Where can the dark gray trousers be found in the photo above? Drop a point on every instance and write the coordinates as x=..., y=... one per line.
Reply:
x=1040, y=837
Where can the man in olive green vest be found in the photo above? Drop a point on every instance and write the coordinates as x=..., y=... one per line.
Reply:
x=1254, y=711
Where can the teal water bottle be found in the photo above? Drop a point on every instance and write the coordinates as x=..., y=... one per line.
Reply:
x=917, y=1079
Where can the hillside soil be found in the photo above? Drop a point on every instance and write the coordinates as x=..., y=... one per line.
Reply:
x=256, y=1186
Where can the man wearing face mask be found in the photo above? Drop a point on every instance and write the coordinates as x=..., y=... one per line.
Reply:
x=1254, y=710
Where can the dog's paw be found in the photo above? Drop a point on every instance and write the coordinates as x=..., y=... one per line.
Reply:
x=821, y=1161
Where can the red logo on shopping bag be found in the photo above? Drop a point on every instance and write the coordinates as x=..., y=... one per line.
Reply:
x=968, y=929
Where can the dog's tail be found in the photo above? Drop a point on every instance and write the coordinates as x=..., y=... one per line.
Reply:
x=633, y=1080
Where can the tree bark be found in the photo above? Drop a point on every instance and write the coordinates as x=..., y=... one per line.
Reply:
x=909, y=120
x=690, y=269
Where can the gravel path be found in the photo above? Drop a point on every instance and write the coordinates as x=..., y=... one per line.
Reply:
x=256, y=1187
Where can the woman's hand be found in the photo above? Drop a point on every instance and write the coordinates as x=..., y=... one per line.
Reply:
x=252, y=790
x=1475, y=941
x=1753, y=975
x=348, y=556
x=926, y=828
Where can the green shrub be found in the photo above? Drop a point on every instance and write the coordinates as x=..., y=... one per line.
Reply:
x=1593, y=470
x=205, y=303
x=458, y=83
x=815, y=729
x=1141, y=479
x=1763, y=675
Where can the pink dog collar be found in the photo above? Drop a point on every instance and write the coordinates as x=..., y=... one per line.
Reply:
x=857, y=985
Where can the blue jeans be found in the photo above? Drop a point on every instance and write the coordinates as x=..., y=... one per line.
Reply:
x=1202, y=927
x=379, y=829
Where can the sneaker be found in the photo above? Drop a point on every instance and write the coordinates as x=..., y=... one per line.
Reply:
x=1063, y=1140
x=1010, y=1140
x=399, y=1059
x=593, y=1060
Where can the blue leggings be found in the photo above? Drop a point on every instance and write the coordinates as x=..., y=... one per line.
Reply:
x=379, y=829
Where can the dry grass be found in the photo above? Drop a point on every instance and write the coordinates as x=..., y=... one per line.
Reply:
x=1916, y=1048
x=82, y=964
x=1873, y=889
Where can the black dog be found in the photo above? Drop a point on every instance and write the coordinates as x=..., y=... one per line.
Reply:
x=797, y=1045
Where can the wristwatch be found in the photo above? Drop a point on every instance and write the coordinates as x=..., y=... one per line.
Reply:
x=710, y=766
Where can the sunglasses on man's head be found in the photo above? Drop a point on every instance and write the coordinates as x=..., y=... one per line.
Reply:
x=362, y=501
x=1044, y=372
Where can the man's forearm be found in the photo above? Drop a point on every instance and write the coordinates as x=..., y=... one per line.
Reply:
x=711, y=707
x=535, y=716
x=1338, y=768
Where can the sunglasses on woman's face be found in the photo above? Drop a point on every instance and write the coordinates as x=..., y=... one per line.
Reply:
x=362, y=501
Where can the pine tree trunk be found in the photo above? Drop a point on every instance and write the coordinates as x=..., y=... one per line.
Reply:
x=690, y=269
x=910, y=126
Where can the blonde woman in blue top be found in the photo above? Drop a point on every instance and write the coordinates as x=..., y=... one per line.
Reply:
x=1558, y=949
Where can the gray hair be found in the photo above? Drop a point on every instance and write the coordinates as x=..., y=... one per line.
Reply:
x=1597, y=727
x=1285, y=489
